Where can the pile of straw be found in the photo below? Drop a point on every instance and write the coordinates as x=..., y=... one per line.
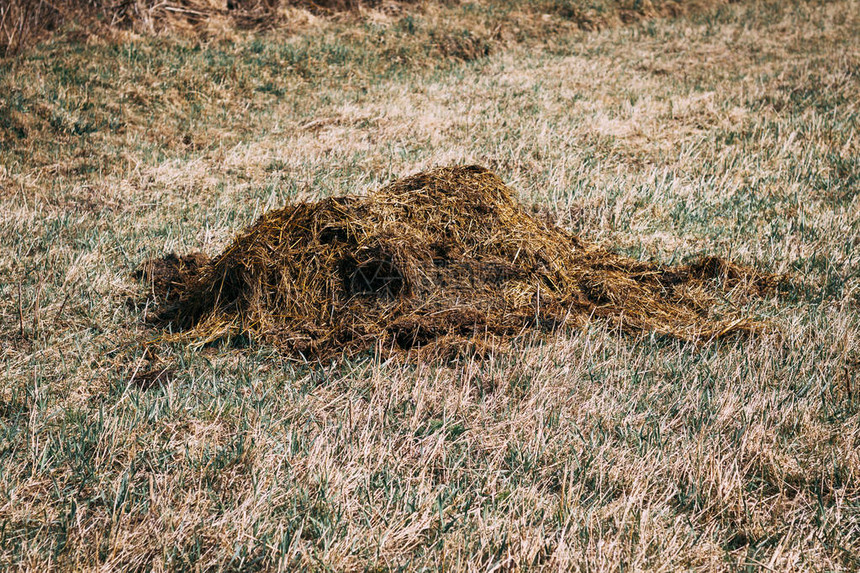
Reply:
x=443, y=257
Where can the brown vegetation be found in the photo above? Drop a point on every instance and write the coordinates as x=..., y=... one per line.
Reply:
x=443, y=256
x=732, y=133
x=23, y=22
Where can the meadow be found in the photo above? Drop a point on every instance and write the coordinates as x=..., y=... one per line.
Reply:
x=728, y=129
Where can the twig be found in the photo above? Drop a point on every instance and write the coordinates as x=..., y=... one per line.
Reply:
x=36, y=308
x=62, y=308
x=183, y=11
x=20, y=311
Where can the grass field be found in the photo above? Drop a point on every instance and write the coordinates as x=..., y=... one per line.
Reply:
x=731, y=130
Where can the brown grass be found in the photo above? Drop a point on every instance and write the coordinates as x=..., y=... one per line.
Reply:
x=733, y=133
x=25, y=22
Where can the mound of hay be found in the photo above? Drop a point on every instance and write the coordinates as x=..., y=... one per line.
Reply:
x=446, y=255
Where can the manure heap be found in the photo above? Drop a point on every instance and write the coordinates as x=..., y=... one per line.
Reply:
x=441, y=258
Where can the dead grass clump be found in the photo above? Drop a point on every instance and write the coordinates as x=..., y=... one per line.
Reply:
x=601, y=14
x=24, y=22
x=463, y=46
x=446, y=255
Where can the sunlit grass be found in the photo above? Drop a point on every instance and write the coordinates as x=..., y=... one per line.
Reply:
x=731, y=132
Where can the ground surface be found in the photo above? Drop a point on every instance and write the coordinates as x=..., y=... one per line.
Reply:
x=732, y=131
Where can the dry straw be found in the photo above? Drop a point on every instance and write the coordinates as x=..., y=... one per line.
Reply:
x=435, y=261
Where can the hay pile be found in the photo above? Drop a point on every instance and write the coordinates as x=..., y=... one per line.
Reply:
x=446, y=256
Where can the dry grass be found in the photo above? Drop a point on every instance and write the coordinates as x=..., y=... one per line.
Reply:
x=25, y=22
x=732, y=133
